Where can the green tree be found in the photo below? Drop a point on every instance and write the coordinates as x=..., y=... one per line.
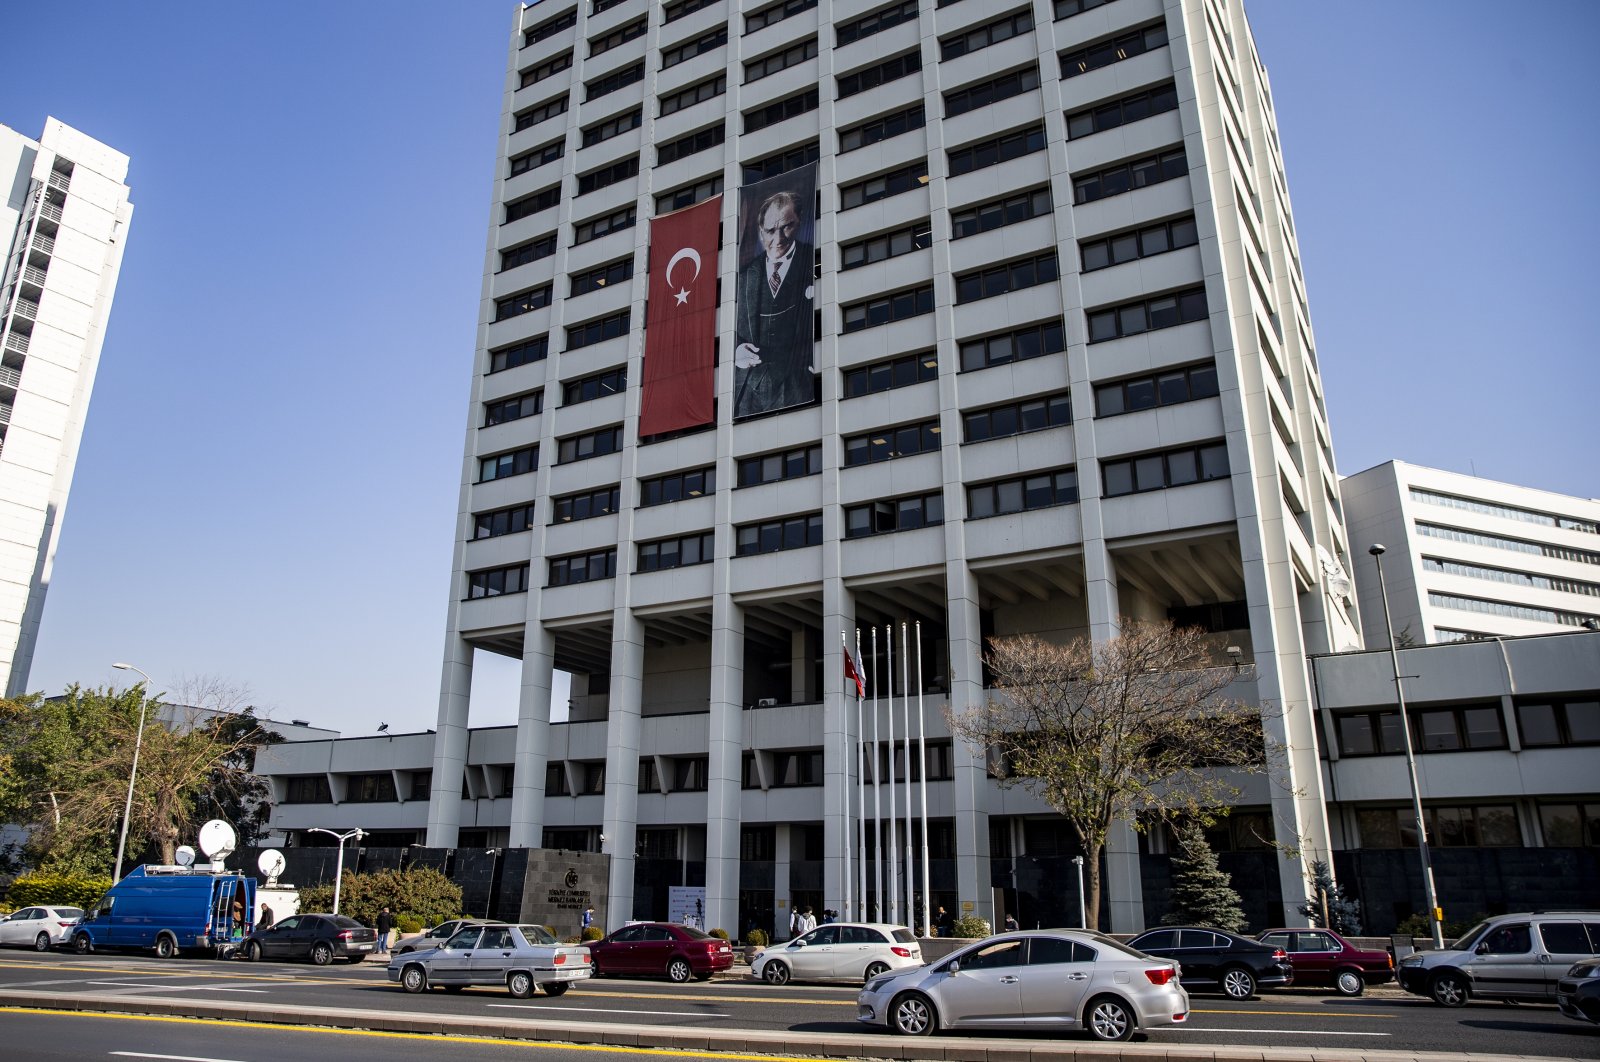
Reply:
x=1328, y=906
x=1202, y=892
x=1133, y=729
x=420, y=891
x=65, y=764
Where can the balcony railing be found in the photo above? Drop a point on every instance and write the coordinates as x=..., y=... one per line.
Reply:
x=59, y=180
x=26, y=309
x=18, y=342
x=10, y=377
x=43, y=243
x=49, y=211
x=33, y=275
x=5, y=412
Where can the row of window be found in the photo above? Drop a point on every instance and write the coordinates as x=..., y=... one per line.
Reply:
x=1516, y=545
x=1010, y=276
x=893, y=514
x=983, y=36
x=1127, y=176
x=1139, y=243
x=1000, y=212
x=600, y=132
x=780, y=110
x=889, y=443
x=767, y=65
x=1507, y=512
x=590, y=388
x=984, y=93
x=1505, y=575
x=915, y=237
x=1173, y=468
x=1123, y=111
x=1113, y=50
x=1511, y=610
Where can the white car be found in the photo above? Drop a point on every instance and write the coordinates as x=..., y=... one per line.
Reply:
x=840, y=951
x=39, y=928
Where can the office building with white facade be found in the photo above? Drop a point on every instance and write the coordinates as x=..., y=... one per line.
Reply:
x=63, y=223
x=1469, y=557
x=1061, y=371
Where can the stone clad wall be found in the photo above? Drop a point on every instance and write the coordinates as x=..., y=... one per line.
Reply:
x=558, y=885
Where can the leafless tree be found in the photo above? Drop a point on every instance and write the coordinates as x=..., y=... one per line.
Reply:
x=1136, y=729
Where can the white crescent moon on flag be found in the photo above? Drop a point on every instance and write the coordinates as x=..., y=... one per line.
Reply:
x=686, y=252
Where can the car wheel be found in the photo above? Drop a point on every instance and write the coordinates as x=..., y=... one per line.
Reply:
x=912, y=1015
x=41, y=942
x=877, y=969
x=520, y=984
x=556, y=988
x=414, y=979
x=82, y=944
x=1349, y=983
x=1109, y=1019
x=776, y=973
x=1449, y=990
x=166, y=946
x=1238, y=983
x=679, y=971
x=322, y=953
x=252, y=951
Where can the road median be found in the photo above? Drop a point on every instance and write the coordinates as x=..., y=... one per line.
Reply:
x=867, y=1045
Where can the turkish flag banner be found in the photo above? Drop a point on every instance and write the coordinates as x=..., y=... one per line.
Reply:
x=681, y=324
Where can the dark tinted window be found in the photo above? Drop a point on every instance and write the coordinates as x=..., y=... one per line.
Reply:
x=1005, y=953
x=1509, y=940
x=1044, y=950
x=1161, y=938
x=1566, y=938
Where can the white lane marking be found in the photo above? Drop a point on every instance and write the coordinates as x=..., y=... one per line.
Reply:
x=128, y=984
x=1274, y=1032
x=608, y=1010
x=168, y=1058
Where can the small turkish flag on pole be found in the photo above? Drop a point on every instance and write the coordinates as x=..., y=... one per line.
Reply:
x=852, y=673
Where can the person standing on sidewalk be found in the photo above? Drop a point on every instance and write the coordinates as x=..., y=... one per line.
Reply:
x=385, y=926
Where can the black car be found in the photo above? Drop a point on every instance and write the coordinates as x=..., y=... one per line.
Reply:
x=1578, y=993
x=1212, y=960
x=318, y=937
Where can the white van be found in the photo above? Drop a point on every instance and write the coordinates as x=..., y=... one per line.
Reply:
x=1512, y=956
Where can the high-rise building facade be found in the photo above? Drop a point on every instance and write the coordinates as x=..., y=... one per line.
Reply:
x=1059, y=370
x=1472, y=558
x=64, y=221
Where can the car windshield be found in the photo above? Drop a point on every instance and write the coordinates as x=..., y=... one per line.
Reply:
x=343, y=921
x=1470, y=937
x=1108, y=942
x=696, y=934
x=903, y=936
x=69, y=912
x=537, y=935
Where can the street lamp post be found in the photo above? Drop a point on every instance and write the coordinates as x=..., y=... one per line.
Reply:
x=1435, y=916
x=338, y=873
x=1083, y=912
x=138, y=742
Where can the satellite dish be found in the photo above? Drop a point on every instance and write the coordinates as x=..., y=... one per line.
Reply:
x=217, y=839
x=271, y=864
x=184, y=856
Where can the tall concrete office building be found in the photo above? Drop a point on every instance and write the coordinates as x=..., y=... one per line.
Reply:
x=1472, y=558
x=63, y=222
x=1006, y=333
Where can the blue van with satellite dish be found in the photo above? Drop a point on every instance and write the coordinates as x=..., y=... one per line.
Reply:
x=173, y=909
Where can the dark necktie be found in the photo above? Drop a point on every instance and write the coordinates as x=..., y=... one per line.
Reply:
x=776, y=279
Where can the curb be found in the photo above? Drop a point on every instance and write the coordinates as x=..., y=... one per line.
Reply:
x=819, y=1045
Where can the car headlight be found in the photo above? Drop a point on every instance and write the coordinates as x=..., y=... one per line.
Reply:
x=1411, y=960
x=874, y=984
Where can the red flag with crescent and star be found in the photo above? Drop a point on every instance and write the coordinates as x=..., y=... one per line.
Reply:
x=681, y=324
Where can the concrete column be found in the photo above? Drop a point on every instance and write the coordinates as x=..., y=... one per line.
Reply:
x=725, y=767
x=622, y=761
x=1123, y=884
x=838, y=749
x=783, y=899
x=450, y=745
x=533, y=738
x=971, y=784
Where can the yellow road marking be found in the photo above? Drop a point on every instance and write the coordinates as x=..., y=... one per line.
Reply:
x=453, y=1038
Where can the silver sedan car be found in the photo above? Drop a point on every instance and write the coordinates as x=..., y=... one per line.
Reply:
x=522, y=958
x=39, y=928
x=1045, y=980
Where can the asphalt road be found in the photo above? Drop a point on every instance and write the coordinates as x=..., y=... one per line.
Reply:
x=1383, y=1020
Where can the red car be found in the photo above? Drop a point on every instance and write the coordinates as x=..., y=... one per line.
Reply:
x=682, y=953
x=1323, y=957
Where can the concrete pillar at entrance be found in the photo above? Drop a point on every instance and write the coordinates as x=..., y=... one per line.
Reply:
x=1123, y=884
x=533, y=738
x=725, y=767
x=971, y=784
x=783, y=906
x=621, y=821
x=450, y=744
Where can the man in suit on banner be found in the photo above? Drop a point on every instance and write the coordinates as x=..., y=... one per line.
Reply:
x=773, y=329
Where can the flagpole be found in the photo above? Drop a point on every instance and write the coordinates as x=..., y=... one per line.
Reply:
x=861, y=783
x=894, y=841
x=905, y=712
x=877, y=795
x=844, y=786
x=922, y=741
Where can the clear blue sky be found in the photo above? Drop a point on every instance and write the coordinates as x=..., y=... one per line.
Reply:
x=267, y=486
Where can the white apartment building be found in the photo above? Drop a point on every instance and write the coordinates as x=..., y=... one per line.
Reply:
x=63, y=222
x=1471, y=558
x=1063, y=373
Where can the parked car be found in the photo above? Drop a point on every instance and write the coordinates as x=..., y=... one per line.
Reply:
x=1578, y=993
x=39, y=928
x=1210, y=959
x=1044, y=980
x=439, y=934
x=318, y=937
x=840, y=951
x=170, y=909
x=1511, y=957
x=522, y=958
x=681, y=952
x=1323, y=957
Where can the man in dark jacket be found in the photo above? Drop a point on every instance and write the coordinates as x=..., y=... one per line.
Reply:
x=385, y=926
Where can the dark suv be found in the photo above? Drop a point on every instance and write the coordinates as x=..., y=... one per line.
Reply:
x=1211, y=960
